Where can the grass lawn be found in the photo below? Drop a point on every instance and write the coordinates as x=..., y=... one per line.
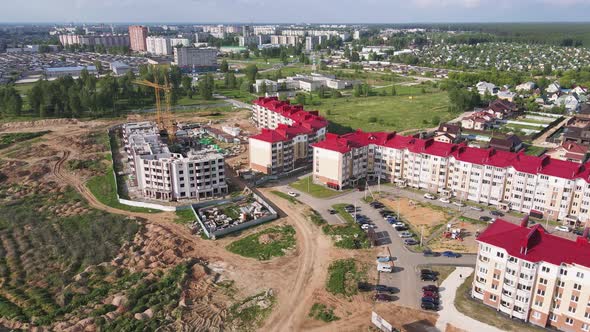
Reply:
x=236, y=94
x=343, y=277
x=184, y=217
x=321, y=312
x=293, y=200
x=389, y=113
x=9, y=139
x=306, y=185
x=266, y=244
x=532, y=150
x=104, y=189
x=481, y=312
x=349, y=236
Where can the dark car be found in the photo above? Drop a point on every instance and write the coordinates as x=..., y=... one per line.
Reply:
x=332, y=211
x=434, y=295
x=364, y=286
x=383, y=297
x=401, y=228
x=496, y=213
x=430, y=253
x=430, y=288
x=428, y=271
x=385, y=289
x=579, y=232
x=429, y=306
x=451, y=254
x=410, y=242
x=428, y=277
x=430, y=300
x=485, y=218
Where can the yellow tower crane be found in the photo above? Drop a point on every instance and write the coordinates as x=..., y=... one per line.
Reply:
x=163, y=118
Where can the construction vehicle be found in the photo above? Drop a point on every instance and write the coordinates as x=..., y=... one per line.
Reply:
x=164, y=118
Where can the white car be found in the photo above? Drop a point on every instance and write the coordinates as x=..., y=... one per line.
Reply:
x=398, y=224
x=562, y=228
x=476, y=208
x=459, y=204
x=292, y=194
x=366, y=226
x=405, y=234
x=444, y=200
x=429, y=196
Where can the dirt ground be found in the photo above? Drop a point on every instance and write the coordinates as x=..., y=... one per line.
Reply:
x=421, y=217
x=297, y=279
x=451, y=328
x=468, y=232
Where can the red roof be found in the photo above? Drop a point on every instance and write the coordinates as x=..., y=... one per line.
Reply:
x=282, y=133
x=293, y=112
x=519, y=161
x=535, y=244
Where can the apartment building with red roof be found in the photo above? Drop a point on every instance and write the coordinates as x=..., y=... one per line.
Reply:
x=287, y=132
x=533, y=275
x=511, y=181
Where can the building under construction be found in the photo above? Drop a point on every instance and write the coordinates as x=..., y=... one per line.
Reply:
x=191, y=172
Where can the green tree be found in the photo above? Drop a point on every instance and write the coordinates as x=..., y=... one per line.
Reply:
x=393, y=90
x=224, y=67
x=354, y=56
x=251, y=72
x=187, y=86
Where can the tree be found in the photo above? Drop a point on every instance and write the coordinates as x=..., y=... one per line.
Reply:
x=354, y=57
x=224, y=67
x=283, y=57
x=358, y=90
x=436, y=120
x=205, y=88
x=187, y=85
x=230, y=80
x=393, y=90
x=251, y=72
x=263, y=89
x=300, y=99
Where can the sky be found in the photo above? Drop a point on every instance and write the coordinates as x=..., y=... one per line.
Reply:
x=293, y=11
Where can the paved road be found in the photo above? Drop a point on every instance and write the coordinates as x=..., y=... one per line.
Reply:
x=235, y=103
x=406, y=275
x=450, y=314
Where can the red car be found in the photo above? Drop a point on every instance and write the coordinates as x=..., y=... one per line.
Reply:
x=430, y=294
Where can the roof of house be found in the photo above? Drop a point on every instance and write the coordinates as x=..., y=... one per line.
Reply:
x=282, y=133
x=501, y=105
x=573, y=147
x=535, y=244
x=508, y=142
x=450, y=128
x=523, y=163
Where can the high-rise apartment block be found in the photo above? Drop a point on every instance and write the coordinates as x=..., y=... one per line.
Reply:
x=137, y=37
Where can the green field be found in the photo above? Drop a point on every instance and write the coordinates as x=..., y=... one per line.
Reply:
x=343, y=277
x=275, y=242
x=385, y=113
x=306, y=185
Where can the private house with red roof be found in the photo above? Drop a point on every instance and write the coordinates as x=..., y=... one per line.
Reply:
x=533, y=275
x=570, y=151
x=287, y=131
x=511, y=181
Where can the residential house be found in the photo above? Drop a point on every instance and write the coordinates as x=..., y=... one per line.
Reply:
x=448, y=133
x=483, y=87
x=553, y=88
x=570, y=102
x=526, y=87
x=478, y=121
x=569, y=151
x=506, y=95
x=511, y=143
x=501, y=109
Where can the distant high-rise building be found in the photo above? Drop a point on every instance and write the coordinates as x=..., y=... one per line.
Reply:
x=158, y=45
x=195, y=59
x=137, y=38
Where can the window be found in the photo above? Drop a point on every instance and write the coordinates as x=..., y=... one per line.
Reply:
x=553, y=317
x=577, y=287
x=563, y=272
x=569, y=321
x=536, y=315
x=541, y=292
x=561, y=283
x=580, y=275
x=494, y=286
x=575, y=298
x=500, y=254
x=496, y=276
x=587, y=314
x=493, y=298
x=585, y=327
x=539, y=302
x=543, y=281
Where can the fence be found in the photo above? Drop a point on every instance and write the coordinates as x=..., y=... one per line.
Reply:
x=222, y=232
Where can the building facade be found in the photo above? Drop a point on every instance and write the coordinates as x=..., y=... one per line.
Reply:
x=158, y=45
x=288, y=132
x=93, y=40
x=511, y=181
x=529, y=274
x=163, y=175
x=137, y=38
x=193, y=58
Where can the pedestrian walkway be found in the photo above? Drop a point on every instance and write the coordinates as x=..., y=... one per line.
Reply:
x=449, y=314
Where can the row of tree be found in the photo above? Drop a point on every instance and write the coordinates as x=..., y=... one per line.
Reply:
x=11, y=102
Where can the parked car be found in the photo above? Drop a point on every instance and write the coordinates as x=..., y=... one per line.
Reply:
x=451, y=254
x=364, y=286
x=578, y=231
x=430, y=300
x=476, y=208
x=383, y=298
x=332, y=211
x=384, y=213
x=428, y=277
x=410, y=242
x=401, y=228
x=433, y=295
x=485, y=218
x=392, y=221
x=496, y=213
x=399, y=224
x=444, y=200
x=429, y=306
x=562, y=228
x=366, y=227
x=429, y=196
x=428, y=271
x=292, y=194
x=430, y=288
x=459, y=203
x=405, y=234
x=385, y=289
x=430, y=253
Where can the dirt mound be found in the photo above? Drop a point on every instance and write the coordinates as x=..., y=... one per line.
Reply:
x=36, y=124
